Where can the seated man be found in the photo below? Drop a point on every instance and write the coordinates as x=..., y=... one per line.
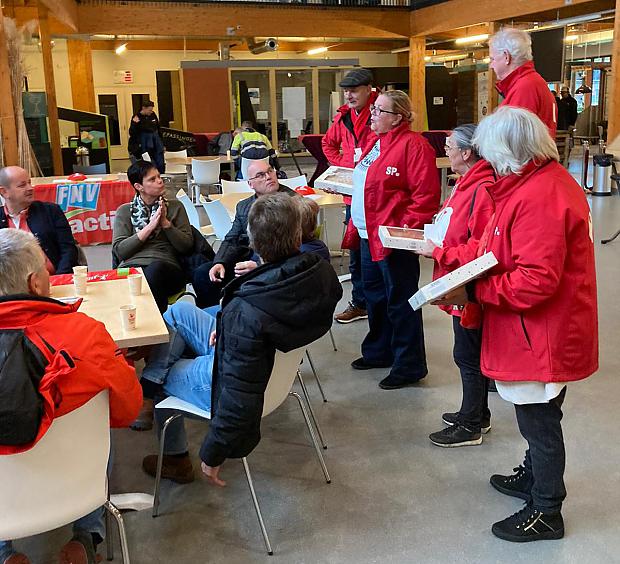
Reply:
x=44, y=219
x=91, y=363
x=310, y=243
x=235, y=257
x=284, y=304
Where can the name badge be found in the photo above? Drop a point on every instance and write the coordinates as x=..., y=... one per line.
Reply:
x=357, y=155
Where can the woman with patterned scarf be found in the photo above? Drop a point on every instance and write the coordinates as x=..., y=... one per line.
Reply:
x=151, y=233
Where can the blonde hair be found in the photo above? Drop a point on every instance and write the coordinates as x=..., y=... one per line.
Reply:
x=401, y=103
x=512, y=137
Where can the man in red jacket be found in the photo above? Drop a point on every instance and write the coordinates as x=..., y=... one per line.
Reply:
x=85, y=361
x=510, y=54
x=343, y=145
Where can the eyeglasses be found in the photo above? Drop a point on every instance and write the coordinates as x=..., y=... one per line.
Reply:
x=447, y=148
x=263, y=175
x=377, y=110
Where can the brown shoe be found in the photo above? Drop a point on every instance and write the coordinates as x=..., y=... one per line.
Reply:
x=352, y=313
x=79, y=550
x=144, y=421
x=179, y=469
x=16, y=558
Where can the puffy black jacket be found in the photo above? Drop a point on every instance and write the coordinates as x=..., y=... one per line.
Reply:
x=283, y=306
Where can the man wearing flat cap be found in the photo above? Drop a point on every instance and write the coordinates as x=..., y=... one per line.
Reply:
x=343, y=145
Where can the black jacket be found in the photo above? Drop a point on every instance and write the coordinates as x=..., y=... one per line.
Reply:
x=49, y=224
x=283, y=306
x=236, y=245
x=147, y=124
x=567, y=112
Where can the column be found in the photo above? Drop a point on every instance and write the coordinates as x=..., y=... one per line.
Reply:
x=614, y=88
x=492, y=91
x=417, y=82
x=81, y=65
x=7, y=111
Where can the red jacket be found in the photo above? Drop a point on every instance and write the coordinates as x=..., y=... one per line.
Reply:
x=525, y=88
x=472, y=208
x=98, y=364
x=402, y=187
x=340, y=136
x=539, y=303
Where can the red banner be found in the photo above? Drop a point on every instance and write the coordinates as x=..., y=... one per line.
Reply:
x=90, y=207
x=94, y=276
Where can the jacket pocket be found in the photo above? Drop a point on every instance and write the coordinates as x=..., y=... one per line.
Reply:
x=525, y=333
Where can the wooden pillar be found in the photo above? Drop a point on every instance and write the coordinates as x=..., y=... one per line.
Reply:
x=81, y=65
x=7, y=111
x=417, y=82
x=614, y=88
x=492, y=91
x=50, y=88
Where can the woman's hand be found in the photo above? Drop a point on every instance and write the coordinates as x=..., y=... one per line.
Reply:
x=151, y=226
x=428, y=249
x=163, y=219
x=458, y=296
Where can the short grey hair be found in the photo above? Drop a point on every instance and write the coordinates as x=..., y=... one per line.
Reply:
x=516, y=42
x=20, y=256
x=5, y=177
x=512, y=137
x=463, y=137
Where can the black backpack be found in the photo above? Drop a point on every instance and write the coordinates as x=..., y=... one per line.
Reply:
x=22, y=365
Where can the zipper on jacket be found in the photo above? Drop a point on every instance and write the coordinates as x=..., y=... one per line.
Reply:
x=525, y=333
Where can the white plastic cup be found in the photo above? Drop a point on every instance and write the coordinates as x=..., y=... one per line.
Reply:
x=80, y=270
x=228, y=155
x=80, y=284
x=128, y=317
x=135, y=284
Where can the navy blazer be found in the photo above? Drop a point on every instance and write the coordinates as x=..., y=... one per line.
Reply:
x=49, y=224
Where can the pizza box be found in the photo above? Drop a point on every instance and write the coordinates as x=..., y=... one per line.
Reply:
x=336, y=178
x=403, y=238
x=459, y=277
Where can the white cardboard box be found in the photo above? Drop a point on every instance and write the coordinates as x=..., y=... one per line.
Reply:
x=403, y=238
x=459, y=277
x=336, y=178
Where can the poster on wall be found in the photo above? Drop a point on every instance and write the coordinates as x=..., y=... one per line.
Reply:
x=254, y=94
x=294, y=108
x=483, y=94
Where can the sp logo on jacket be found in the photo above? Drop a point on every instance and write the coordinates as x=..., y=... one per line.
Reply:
x=392, y=171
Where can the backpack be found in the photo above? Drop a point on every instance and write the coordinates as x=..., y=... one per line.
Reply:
x=22, y=366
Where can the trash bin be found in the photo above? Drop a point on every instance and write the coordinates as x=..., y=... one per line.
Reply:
x=603, y=169
x=83, y=156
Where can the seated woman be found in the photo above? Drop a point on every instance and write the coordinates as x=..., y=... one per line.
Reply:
x=152, y=233
x=285, y=303
x=310, y=243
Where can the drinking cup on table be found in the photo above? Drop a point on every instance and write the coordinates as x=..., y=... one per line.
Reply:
x=135, y=284
x=80, y=283
x=80, y=270
x=128, y=317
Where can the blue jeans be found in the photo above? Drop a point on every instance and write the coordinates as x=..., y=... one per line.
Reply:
x=183, y=366
x=396, y=333
x=355, y=268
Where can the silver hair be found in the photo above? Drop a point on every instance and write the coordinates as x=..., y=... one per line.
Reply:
x=5, y=177
x=463, y=135
x=512, y=137
x=20, y=256
x=516, y=42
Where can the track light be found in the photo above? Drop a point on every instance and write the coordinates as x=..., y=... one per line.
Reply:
x=121, y=48
x=318, y=50
x=471, y=39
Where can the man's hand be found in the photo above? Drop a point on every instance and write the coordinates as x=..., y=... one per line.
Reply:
x=135, y=119
x=217, y=273
x=212, y=474
x=244, y=267
x=212, y=338
x=458, y=296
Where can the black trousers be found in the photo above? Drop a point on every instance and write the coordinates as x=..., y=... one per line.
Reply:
x=545, y=458
x=164, y=280
x=209, y=293
x=466, y=352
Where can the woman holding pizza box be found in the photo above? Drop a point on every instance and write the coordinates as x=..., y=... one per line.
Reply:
x=395, y=183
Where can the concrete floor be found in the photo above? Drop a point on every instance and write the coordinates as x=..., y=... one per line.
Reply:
x=395, y=498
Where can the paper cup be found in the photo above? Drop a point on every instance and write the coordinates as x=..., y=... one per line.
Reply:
x=80, y=270
x=80, y=283
x=135, y=284
x=128, y=317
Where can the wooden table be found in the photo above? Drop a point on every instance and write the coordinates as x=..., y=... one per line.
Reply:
x=443, y=164
x=38, y=180
x=102, y=302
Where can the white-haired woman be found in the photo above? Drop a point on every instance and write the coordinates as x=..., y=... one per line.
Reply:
x=539, y=320
x=510, y=54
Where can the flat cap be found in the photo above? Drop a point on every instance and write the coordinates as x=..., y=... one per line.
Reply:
x=356, y=77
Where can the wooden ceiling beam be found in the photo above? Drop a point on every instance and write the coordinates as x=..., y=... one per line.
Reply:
x=64, y=11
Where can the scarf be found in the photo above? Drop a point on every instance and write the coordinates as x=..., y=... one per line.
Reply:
x=360, y=121
x=141, y=214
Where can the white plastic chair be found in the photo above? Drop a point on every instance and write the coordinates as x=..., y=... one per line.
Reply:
x=219, y=218
x=294, y=182
x=232, y=187
x=175, y=154
x=285, y=370
x=190, y=208
x=246, y=162
x=62, y=478
x=204, y=173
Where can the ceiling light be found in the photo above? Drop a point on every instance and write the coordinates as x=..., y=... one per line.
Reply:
x=317, y=50
x=427, y=58
x=486, y=60
x=471, y=39
x=570, y=38
x=121, y=48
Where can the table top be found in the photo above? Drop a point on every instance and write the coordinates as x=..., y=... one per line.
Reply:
x=322, y=198
x=188, y=160
x=102, y=302
x=40, y=180
x=442, y=162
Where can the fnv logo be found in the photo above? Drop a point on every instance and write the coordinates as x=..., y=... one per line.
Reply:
x=392, y=171
x=79, y=197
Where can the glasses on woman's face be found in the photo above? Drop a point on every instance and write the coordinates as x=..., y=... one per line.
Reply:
x=263, y=175
x=378, y=111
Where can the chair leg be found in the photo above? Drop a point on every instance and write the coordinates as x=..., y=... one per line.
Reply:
x=316, y=424
x=331, y=336
x=312, y=436
x=121, y=530
x=109, y=541
x=316, y=376
x=160, y=462
x=263, y=529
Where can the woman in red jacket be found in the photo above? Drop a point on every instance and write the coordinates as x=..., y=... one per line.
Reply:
x=395, y=183
x=465, y=215
x=539, y=321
